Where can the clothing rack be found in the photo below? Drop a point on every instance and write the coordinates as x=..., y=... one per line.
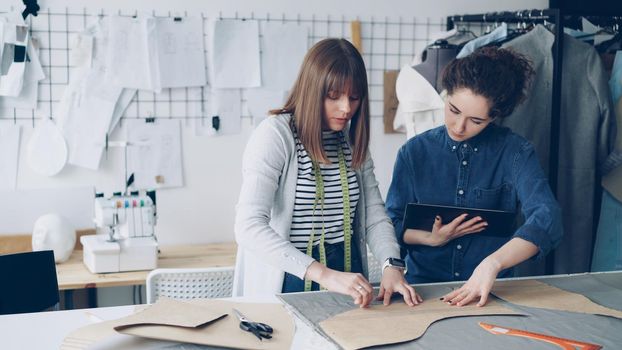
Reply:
x=610, y=21
x=560, y=19
x=613, y=19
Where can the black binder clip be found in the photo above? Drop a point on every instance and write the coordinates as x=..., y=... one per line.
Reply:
x=216, y=122
x=32, y=8
x=19, y=53
x=150, y=120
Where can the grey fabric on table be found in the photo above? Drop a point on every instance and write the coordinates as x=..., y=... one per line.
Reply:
x=465, y=333
x=602, y=288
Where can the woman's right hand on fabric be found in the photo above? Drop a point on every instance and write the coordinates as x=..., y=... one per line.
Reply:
x=441, y=234
x=348, y=283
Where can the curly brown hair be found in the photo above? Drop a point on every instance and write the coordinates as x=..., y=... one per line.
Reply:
x=500, y=75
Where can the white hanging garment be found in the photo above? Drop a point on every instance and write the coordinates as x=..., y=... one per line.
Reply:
x=420, y=106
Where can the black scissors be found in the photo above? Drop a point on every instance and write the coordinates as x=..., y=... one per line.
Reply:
x=260, y=330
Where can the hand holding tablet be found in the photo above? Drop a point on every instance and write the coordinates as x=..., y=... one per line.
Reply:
x=421, y=217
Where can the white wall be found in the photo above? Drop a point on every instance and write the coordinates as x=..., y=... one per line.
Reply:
x=203, y=210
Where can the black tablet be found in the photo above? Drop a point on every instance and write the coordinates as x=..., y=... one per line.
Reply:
x=421, y=217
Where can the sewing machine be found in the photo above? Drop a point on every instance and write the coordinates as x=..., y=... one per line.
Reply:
x=125, y=240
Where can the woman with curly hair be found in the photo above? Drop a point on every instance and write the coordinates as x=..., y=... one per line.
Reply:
x=471, y=162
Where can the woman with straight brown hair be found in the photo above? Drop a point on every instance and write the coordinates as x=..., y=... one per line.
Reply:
x=309, y=203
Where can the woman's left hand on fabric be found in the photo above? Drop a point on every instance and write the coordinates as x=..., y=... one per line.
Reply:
x=479, y=285
x=393, y=281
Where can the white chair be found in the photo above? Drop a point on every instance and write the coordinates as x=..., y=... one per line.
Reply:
x=374, y=267
x=213, y=282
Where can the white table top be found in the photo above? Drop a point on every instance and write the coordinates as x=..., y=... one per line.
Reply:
x=46, y=330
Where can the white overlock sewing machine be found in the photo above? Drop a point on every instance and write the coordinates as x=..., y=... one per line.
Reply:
x=125, y=240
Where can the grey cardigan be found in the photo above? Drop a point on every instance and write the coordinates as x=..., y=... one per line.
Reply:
x=266, y=205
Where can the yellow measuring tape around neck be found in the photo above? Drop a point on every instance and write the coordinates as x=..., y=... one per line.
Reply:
x=347, y=225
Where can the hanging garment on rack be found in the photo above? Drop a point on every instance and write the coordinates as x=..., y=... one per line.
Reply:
x=615, y=83
x=496, y=35
x=608, y=246
x=438, y=55
x=612, y=179
x=586, y=128
x=578, y=34
x=591, y=38
x=420, y=106
x=598, y=34
x=531, y=119
x=458, y=37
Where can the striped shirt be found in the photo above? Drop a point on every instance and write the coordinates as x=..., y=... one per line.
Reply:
x=303, y=219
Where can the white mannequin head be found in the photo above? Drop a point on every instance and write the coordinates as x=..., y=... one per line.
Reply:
x=53, y=232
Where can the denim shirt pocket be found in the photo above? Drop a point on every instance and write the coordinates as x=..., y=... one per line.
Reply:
x=502, y=197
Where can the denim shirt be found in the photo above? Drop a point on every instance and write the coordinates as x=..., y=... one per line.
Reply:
x=496, y=169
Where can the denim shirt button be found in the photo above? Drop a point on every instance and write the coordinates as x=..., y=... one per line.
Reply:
x=460, y=191
x=453, y=148
x=475, y=149
x=464, y=145
x=458, y=247
x=457, y=274
x=464, y=162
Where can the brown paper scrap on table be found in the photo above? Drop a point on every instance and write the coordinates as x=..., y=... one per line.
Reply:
x=398, y=322
x=225, y=332
x=541, y=295
x=169, y=312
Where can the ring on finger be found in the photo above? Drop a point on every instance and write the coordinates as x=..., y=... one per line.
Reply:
x=359, y=287
x=461, y=295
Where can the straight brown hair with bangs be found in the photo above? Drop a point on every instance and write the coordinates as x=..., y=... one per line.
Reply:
x=330, y=65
